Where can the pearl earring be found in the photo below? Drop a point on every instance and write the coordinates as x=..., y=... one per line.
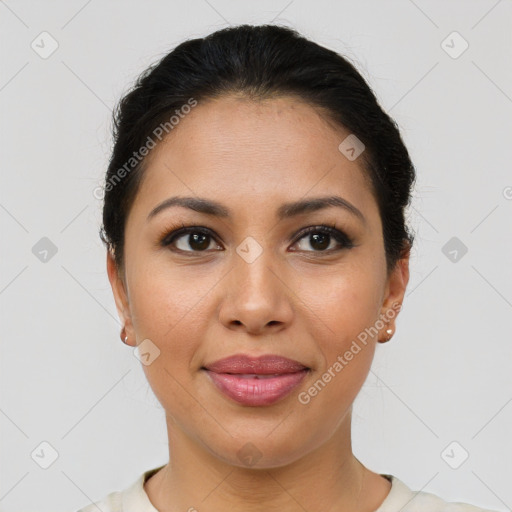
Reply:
x=125, y=338
x=389, y=332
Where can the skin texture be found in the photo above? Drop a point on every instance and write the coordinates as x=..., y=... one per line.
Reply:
x=294, y=300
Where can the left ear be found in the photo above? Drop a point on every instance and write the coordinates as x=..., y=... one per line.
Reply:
x=394, y=295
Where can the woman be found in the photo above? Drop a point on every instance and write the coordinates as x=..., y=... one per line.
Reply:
x=257, y=252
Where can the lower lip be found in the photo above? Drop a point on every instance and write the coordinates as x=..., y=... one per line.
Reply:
x=256, y=392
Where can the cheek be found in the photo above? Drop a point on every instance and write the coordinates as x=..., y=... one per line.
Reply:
x=169, y=311
x=346, y=344
x=345, y=308
x=344, y=303
x=166, y=300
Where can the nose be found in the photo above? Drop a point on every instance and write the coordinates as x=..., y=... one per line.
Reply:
x=255, y=297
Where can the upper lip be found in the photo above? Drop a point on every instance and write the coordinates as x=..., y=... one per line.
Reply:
x=267, y=364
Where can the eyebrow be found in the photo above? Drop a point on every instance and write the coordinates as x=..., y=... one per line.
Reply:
x=285, y=211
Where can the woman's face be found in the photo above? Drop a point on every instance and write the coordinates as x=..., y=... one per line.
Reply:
x=256, y=284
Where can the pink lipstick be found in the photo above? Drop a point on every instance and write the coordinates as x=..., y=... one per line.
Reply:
x=256, y=381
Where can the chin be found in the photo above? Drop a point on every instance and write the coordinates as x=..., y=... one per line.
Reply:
x=258, y=451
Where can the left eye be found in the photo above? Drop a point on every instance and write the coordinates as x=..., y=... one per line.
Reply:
x=321, y=238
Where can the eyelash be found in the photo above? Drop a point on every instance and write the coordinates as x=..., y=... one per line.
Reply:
x=172, y=234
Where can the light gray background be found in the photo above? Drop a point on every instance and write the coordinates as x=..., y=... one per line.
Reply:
x=67, y=379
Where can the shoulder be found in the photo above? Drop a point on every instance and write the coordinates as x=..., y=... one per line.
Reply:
x=129, y=499
x=402, y=498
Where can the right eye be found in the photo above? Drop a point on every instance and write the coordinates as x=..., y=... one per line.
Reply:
x=191, y=239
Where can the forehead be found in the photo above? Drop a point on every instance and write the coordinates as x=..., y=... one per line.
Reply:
x=254, y=152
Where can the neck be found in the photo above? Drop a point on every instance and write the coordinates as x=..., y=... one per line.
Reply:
x=326, y=479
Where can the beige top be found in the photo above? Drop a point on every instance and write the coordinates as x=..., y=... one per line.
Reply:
x=135, y=499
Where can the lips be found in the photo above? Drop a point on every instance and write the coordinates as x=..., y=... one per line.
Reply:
x=256, y=381
x=264, y=365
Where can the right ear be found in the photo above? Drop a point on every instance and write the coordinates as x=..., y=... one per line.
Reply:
x=121, y=297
